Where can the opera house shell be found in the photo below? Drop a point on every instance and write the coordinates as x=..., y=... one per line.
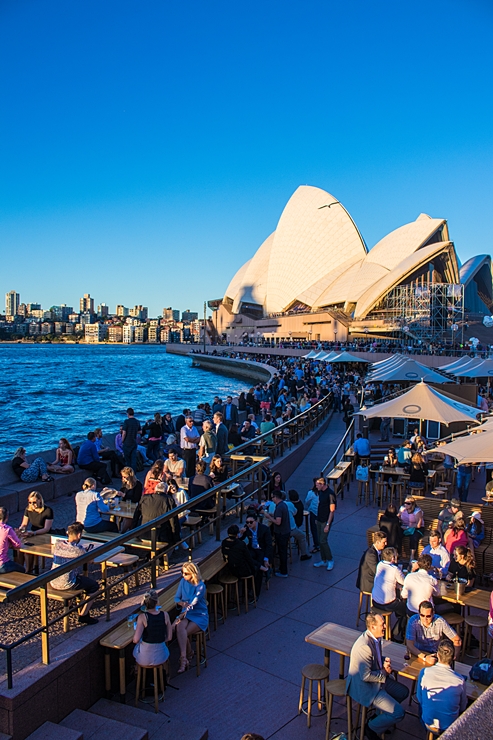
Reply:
x=316, y=261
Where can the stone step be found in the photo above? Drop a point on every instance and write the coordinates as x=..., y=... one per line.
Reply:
x=96, y=727
x=50, y=731
x=158, y=726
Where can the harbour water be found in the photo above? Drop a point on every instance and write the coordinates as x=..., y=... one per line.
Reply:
x=54, y=390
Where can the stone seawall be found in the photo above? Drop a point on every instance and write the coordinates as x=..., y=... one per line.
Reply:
x=256, y=371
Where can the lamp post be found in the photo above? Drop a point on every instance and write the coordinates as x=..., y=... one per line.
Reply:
x=205, y=310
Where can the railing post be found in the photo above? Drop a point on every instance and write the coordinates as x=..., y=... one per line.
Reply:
x=153, y=557
x=45, y=646
x=9, y=668
x=104, y=576
x=219, y=500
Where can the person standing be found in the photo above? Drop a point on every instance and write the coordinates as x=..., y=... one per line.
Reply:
x=325, y=519
x=441, y=692
x=369, y=561
x=8, y=538
x=189, y=440
x=130, y=430
x=369, y=682
x=230, y=412
x=221, y=434
x=282, y=531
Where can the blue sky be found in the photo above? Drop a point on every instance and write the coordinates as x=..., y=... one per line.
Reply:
x=148, y=148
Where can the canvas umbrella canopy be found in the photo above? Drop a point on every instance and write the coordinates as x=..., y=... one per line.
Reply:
x=389, y=364
x=423, y=402
x=393, y=358
x=482, y=370
x=411, y=371
x=328, y=356
x=461, y=363
x=312, y=353
x=348, y=357
x=473, y=448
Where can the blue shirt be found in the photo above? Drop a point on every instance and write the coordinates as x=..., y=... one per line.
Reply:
x=442, y=695
x=88, y=505
x=88, y=453
x=195, y=595
x=362, y=447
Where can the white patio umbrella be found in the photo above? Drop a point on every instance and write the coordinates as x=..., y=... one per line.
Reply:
x=472, y=448
x=411, y=371
x=423, y=402
x=384, y=368
x=348, y=357
x=311, y=354
x=392, y=358
x=461, y=362
x=328, y=356
x=483, y=369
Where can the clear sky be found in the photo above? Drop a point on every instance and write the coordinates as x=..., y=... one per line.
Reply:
x=148, y=147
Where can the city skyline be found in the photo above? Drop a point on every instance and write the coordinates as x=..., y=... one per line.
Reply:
x=168, y=141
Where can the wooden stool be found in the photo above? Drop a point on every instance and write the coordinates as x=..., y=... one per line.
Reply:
x=216, y=592
x=432, y=732
x=396, y=490
x=245, y=580
x=194, y=523
x=337, y=688
x=481, y=623
x=141, y=682
x=364, y=492
x=368, y=604
x=364, y=713
x=386, y=616
x=313, y=672
x=228, y=581
x=200, y=650
x=453, y=619
x=124, y=561
x=380, y=488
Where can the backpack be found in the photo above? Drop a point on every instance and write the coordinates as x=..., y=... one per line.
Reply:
x=362, y=473
x=482, y=671
x=139, y=467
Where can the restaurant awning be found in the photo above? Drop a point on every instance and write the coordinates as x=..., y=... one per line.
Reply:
x=423, y=402
x=473, y=448
x=410, y=371
x=348, y=357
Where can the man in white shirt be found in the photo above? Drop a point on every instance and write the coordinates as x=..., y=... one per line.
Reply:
x=441, y=691
x=384, y=594
x=419, y=585
x=440, y=557
x=189, y=440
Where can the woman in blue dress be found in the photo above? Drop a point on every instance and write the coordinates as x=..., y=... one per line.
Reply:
x=194, y=616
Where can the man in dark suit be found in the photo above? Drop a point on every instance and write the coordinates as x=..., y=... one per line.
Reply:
x=369, y=561
x=369, y=683
x=259, y=541
x=221, y=434
x=230, y=412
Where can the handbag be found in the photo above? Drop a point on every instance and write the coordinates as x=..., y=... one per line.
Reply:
x=482, y=671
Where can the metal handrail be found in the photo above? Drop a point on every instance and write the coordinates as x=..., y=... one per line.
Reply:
x=349, y=435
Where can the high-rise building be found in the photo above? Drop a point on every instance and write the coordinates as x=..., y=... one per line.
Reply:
x=189, y=315
x=139, y=312
x=171, y=314
x=128, y=333
x=12, y=300
x=103, y=310
x=86, y=304
x=121, y=311
x=115, y=334
x=33, y=307
x=95, y=332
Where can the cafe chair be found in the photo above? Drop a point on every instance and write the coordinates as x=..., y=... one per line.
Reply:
x=318, y=673
x=216, y=593
x=472, y=620
x=368, y=604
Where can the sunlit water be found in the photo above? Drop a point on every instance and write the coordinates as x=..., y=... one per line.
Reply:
x=51, y=391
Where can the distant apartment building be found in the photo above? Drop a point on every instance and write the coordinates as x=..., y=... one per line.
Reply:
x=122, y=311
x=22, y=310
x=86, y=304
x=139, y=312
x=95, y=332
x=12, y=301
x=73, y=318
x=115, y=334
x=69, y=328
x=86, y=318
x=164, y=334
x=33, y=307
x=140, y=334
x=59, y=327
x=47, y=327
x=171, y=314
x=103, y=311
x=154, y=334
x=37, y=313
x=62, y=312
x=128, y=333
x=34, y=329
x=189, y=315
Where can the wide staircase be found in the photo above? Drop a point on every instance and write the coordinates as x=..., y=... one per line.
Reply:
x=114, y=721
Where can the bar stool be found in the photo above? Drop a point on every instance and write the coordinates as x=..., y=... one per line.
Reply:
x=454, y=619
x=337, y=688
x=229, y=581
x=380, y=489
x=364, y=492
x=246, y=580
x=200, y=650
x=367, y=606
x=432, y=732
x=141, y=683
x=396, y=490
x=364, y=713
x=471, y=620
x=216, y=592
x=312, y=672
x=386, y=616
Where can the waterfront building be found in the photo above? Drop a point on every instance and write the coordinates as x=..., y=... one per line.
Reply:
x=59, y=327
x=86, y=318
x=69, y=328
x=47, y=327
x=154, y=334
x=86, y=304
x=95, y=332
x=139, y=312
x=12, y=301
x=315, y=278
x=115, y=334
x=140, y=334
x=34, y=328
x=128, y=333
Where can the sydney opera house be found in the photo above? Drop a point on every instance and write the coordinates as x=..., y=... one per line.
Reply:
x=315, y=278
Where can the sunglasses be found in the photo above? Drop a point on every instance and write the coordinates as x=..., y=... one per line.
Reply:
x=250, y=521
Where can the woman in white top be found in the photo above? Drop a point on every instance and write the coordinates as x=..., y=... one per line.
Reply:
x=89, y=505
x=384, y=592
x=311, y=505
